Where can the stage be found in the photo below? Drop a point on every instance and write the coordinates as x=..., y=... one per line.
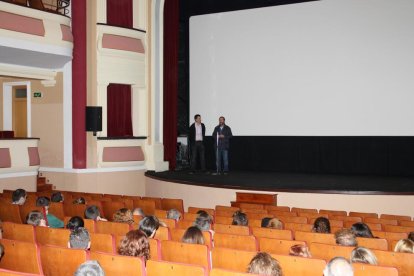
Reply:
x=293, y=182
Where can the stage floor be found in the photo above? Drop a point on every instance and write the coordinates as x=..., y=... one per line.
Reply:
x=293, y=182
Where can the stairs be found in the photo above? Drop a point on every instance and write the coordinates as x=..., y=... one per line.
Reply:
x=42, y=186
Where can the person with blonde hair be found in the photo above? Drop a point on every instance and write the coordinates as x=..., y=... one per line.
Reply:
x=346, y=237
x=363, y=255
x=275, y=223
x=135, y=244
x=124, y=215
x=404, y=246
x=264, y=264
x=193, y=235
x=300, y=250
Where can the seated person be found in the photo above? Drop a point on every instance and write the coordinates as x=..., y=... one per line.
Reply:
x=363, y=255
x=264, y=264
x=123, y=215
x=138, y=212
x=79, y=238
x=51, y=220
x=135, y=244
x=174, y=214
x=36, y=218
x=193, y=235
x=19, y=197
x=265, y=222
x=338, y=266
x=240, y=218
x=321, y=225
x=300, y=250
x=275, y=224
x=345, y=237
x=57, y=197
x=404, y=246
x=1, y=251
x=362, y=230
x=411, y=236
x=90, y=268
x=203, y=221
x=74, y=223
x=149, y=226
x=92, y=212
x=79, y=200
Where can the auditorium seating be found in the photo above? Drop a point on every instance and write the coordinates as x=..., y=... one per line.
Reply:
x=108, y=227
x=368, y=270
x=239, y=242
x=147, y=205
x=194, y=210
x=235, y=260
x=231, y=229
x=6, y=272
x=111, y=207
x=363, y=215
x=226, y=272
x=10, y=212
x=163, y=233
x=381, y=221
x=285, y=219
x=329, y=251
x=61, y=261
x=172, y=203
x=56, y=208
x=184, y=224
x=400, y=229
x=310, y=237
x=380, y=244
x=292, y=265
x=21, y=256
x=223, y=220
x=275, y=246
x=52, y=236
x=304, y=210
x=119, y=265
x=397, y=217
x=333, y=212
x=404, y=262
x=197, y=254
x=102, y=243
x=260, y=232
x=277, y=208
x=171, y=223
x=156, y=268
x=19, y=232
x=189, y=216
x=177, y=234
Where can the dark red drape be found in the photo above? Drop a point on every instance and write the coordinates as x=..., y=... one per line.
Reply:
x=171, y=24
x=119, y=13
x=119, y=110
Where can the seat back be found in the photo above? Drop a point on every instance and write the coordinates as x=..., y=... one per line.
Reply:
x=304, y=210
x=226, y=272
x=382, y=221
x=102, y=243
x=184, y=224
x=111, y=207
x=157, y=201
x=148, y=206
x=177, y=234
x=226, y=208
x=404, y=262
x=310, y=237
x=407, y=223
x=19, y=232
x=363, y=215
x=6, y=272
x=21, y=256
x=194, y=210
x=61, y=261
x=277, y=208
x=260, y=232
x=163, y=233
x=197, y=254
x=275, y=246
x=286, y=219
x=231, y=259
x=345, y=218
x=298, y=226
x=391, y=237
x=398, y=229
x=172, y=203
x=108, y=227
x=333, y=212
x=292, y=265
x=380, y=244
x=10, y=212
x=72, y=210
x=156, y=268
x=368, y=270
x=231, y=229
x=239, y=242
x=190, y=216
x=397, y=217
x=119, y=265
x=223, y=220
x=56, y=209
x=329, y=251
x=171, y=223
x=52, y=236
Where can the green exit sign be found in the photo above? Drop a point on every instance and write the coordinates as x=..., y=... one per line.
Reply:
x=37, y=94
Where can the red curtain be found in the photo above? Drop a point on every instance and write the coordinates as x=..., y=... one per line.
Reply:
x=119, y=13
x=171, y=28
x=119, y=110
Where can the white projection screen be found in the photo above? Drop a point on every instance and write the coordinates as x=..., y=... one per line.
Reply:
x=325, y=68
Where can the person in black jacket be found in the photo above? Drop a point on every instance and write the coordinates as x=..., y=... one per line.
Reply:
x=196, y=137
x=221, y=135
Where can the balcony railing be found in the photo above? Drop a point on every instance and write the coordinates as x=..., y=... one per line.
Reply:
x=53, y=6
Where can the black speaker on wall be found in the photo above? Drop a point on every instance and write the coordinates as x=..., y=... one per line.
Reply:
x=94, y=119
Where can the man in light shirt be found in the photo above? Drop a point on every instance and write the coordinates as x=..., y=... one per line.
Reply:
x=196, y=137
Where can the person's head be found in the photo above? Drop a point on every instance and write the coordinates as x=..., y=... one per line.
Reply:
x=275, y=223
x=79, y=200
x=19, y=196
x=265, y=222
x=42, y=201
x=35, y=218
x=360, y=229
x=193, y=235
x=197, y=118
x=222, y=120
x=203, y=220
x=92, y=212
x=363, y=255
x=321, y=225
x=149, y=225
x=1, y=230
x=346, y=237
x=240, y=218
x=138, y=212
x=174, y=214
x=411, y=236
x=74, y=223
x=300, y=250
x=57, y=197
x=135, y=244
x=264, y=264
x=1, y=251
x=123, y=215
x=338, y=266
x=79, y=238
x=404, y=246
x=90, y=268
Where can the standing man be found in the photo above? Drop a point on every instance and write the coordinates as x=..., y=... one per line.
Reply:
x=221, y=135
x=197, y=135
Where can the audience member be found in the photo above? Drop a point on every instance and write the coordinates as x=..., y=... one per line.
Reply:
x=411, y=236
x=346, y=237
x=240, y=218
x=79, y=200
x=1, y=251
x=135, y=244
x=79, y=238
x=35, y=218
x=338, y=266
x=19, y=197
x=149, y=226
x=265, y=222
x=92, y=212
x=275, y=223
x=51, y=220
x=1, y=229
x=138, y=212
x=264, y=264
x=193, y=235
x=363, y=255
x=90, y=268
x=321, y=225
x=360, y=229
x=174, y=214
x=74, y=223
x=300, y=250
x=57, y=197
x=124, y=215
x=203, y=221
x=404, y=246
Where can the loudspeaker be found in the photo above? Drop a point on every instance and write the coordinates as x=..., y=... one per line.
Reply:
x=94, y=118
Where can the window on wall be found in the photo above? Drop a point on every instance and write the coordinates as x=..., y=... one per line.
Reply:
x=119, y=13
x=119, y=110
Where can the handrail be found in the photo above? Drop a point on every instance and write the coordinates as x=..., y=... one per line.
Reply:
x=57, y=6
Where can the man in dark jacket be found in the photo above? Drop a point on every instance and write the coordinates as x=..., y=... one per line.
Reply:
x=196, y=138
x=221, y=135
